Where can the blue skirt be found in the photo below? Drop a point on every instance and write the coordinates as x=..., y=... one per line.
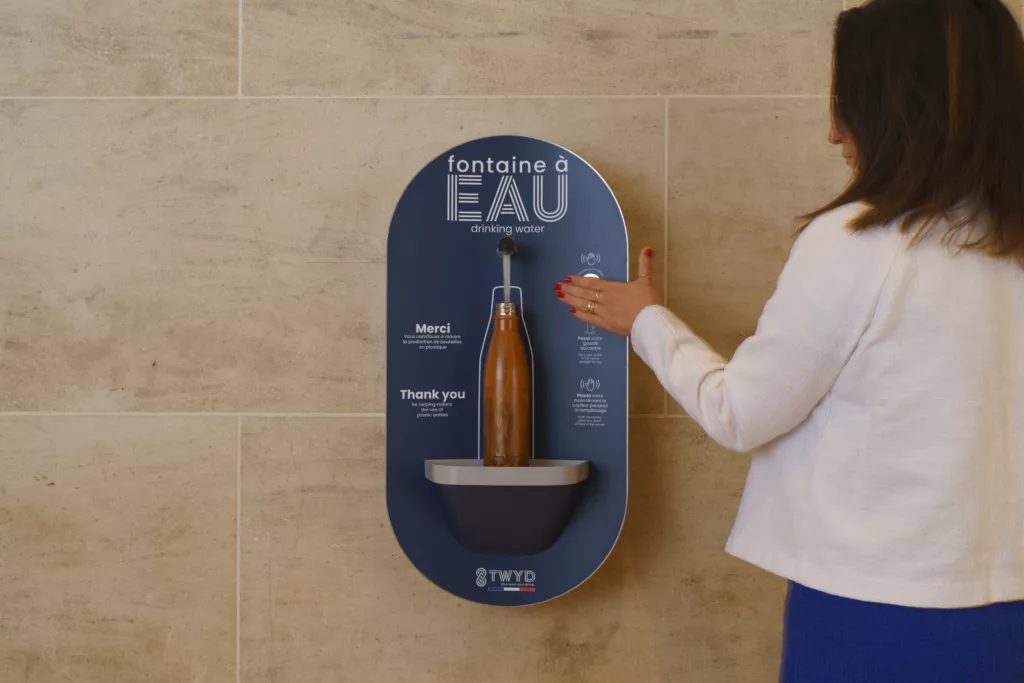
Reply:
x=837, y=640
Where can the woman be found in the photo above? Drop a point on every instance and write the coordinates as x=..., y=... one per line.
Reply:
x=883, y=391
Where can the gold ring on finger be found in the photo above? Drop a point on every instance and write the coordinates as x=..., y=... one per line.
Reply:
x=590, y=307
x=597, y=297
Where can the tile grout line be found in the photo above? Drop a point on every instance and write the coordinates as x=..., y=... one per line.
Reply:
x=240, y=26
x=664, y=229
x=660, y=416
x=238, y=553
x=240, y=416
x=42, y=413
x=360, y=98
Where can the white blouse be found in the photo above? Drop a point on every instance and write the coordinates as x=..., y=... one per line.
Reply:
x=883, y=397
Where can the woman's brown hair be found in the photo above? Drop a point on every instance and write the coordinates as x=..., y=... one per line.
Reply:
x=932, y=94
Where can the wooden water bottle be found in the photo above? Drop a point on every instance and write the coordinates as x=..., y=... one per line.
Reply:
x=506, y=384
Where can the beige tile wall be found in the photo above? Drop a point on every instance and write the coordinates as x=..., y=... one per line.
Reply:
x=117, y=548
x=325, y=588
x=194, y=199
x=118, y=47
x=537, y=47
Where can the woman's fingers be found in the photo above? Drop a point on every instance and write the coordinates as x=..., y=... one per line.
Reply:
x=580, y=297
x=609, y=304
x=645, y=270
x=588, y=293
x=588, y=282
x=646, y=263
x=574, y=300
x=581, y=314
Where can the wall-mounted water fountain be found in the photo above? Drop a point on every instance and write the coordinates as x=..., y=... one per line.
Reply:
x=506, y=417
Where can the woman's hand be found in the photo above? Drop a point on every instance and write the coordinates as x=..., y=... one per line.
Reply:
x=611, y=305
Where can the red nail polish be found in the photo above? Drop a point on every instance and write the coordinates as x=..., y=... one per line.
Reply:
x=558, y=288
x=561, y=295
x=648, y=252
x=568, y=279
x=572, y=310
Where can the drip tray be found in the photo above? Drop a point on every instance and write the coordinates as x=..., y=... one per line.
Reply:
x=508, y=510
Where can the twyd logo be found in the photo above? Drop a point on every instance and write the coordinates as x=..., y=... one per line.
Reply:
x=506, y=580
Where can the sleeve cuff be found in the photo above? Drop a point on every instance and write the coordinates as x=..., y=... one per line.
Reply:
x=650, y=320
x=679, y=358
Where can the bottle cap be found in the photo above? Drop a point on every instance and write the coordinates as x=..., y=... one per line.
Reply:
x=505, y=310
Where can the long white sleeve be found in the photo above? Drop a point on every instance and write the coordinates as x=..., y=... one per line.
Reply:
x=824, y=301
x=882, y=395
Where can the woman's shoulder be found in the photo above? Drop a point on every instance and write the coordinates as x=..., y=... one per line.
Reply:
x=844, y=213
x=836, y=227
x=829, y=248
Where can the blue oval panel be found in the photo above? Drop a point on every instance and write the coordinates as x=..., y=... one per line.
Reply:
x=443, y=271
